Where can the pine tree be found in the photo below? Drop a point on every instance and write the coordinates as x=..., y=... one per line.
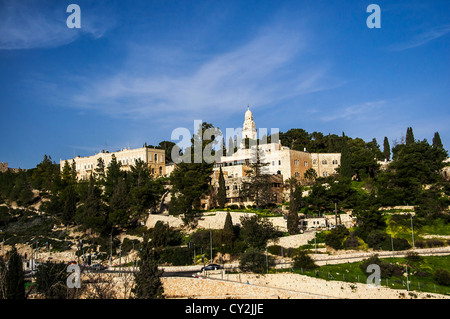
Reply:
x=437, y=143
x=409, y=136
x=386, y=149
x=258, y=187
x=222, y=192
x=148, y=283
x=15, y=279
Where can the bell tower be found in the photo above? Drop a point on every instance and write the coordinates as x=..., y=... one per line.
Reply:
x=249, y=129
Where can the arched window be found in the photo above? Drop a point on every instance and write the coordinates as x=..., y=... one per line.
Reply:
x=160, y=170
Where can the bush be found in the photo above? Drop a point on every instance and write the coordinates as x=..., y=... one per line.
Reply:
x=336, y=236
x=387, y=269
x=442, y=277
x=304, y=261
x=376, y=239
x=254, y=260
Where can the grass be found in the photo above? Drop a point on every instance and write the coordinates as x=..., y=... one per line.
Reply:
x=420, y=274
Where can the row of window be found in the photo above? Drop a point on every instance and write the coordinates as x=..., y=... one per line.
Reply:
x=325, y=162
x=125, y=161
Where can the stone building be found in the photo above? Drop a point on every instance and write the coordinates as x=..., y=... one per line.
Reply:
x=281, y=162
x=154, y=158
x=280, y=159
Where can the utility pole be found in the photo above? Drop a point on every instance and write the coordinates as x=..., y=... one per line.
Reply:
x=267, y=262
x=110, y=251
x=412, y=231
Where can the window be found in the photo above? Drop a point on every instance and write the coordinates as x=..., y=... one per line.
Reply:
x=306, y=163
x=335, y=162
x=296, y=162
x=325, y=174
x=297, y=174
x=273, y=163
x=324, y=162
x=279, y=162
x=160, y=170
x=156, y=158
x=314, y=162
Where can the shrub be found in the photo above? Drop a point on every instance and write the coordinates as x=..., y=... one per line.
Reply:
x=336, y=237
x=254, y=260
x=442, y=277
x=303, y=260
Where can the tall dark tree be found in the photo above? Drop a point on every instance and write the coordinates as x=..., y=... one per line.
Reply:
x=148, y=283
x=15, y=278
x=228, y=231
x=437, y=140
x=119, y=205
x=192, y=180
x=256, y=231
x=409, y=136
x=258, y=187
x=292, y=218
x=221, y=192
x=92, y=214
x=386, y=149
x=51, y=280
x=345, y=168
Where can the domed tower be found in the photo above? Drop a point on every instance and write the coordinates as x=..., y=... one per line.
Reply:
x=249, y=129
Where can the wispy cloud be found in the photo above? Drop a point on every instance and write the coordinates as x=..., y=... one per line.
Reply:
x=359, y=111
x=29, y=24
x=263, y=71
x=422, y=38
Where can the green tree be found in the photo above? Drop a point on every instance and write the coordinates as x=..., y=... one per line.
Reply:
x=256, y=231
x=295, y=191
x=409, y=136
x=192, y=180
x=68, y=200
x=437, y=140
x=43, y=174
x=386, y=149
x=119, y=205
x=302, y=260
x=148, y=283
x=255, y=261
x=113, y=174
x=51, y=280
x=221, y=193
x=92, y=214
x=99, y=172
x=14, y=277
x=228, y=231
x=258, y=187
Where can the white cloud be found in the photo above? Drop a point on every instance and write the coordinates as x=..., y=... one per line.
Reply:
x=264, y=71
x=366, y=110
x=42, y=24
x=422, y=38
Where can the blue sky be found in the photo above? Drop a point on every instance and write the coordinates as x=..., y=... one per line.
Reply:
x=137, y=70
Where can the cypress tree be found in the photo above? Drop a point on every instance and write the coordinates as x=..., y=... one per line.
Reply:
x=148, y=282
x=221, y=193
x=14, y=278
x=345, y=168
x=409, y=136
x=437, y=143
x=386, y=149
x=228, y=232
x=292, y=218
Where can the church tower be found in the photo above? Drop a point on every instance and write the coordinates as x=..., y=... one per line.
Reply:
x=249, y=129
